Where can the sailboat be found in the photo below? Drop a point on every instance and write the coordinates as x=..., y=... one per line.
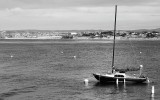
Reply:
x=119, y=76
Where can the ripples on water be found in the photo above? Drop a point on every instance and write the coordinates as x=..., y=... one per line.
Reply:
x=51, y=70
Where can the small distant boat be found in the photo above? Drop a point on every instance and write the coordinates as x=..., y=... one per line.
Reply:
x=117, y=75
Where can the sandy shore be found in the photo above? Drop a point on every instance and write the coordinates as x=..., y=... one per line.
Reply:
x=79, y=39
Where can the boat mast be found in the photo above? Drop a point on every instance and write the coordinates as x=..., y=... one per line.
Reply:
x=114, y=38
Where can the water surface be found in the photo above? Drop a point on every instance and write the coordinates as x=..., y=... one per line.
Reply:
x=55, y=69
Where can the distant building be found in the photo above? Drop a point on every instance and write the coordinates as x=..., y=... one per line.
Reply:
x=74, y=33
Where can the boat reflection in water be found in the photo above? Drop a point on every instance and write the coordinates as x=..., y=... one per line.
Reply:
x=121, y=91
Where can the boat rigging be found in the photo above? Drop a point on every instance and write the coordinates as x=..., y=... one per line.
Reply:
x=116, y=75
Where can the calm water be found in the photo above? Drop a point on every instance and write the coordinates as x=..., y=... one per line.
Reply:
x=55, y=70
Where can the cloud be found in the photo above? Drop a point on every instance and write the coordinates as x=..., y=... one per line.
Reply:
x=77, y=11
x=37, y=4
x=78, y=14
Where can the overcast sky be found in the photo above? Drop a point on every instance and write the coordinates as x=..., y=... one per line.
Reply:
x=78, y=14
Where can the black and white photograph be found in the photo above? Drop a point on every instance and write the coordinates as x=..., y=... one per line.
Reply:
x=79, y=49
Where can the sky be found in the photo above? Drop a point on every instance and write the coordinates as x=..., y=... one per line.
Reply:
x=78, y=14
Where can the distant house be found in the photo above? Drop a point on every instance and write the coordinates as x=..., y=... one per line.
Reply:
x=74, y=33
x=66, y=35
x=2, y=34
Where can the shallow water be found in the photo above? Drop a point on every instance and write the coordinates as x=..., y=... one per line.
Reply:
x=55, y=70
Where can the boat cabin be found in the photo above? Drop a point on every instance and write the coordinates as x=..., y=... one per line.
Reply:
x=120, y=75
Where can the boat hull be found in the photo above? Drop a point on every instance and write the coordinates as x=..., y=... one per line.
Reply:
x=106, y=79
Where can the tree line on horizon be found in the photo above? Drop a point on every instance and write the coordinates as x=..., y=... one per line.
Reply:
x=90, y=34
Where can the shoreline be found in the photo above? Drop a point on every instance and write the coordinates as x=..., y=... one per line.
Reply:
x=71, y=41
x=82, y=38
